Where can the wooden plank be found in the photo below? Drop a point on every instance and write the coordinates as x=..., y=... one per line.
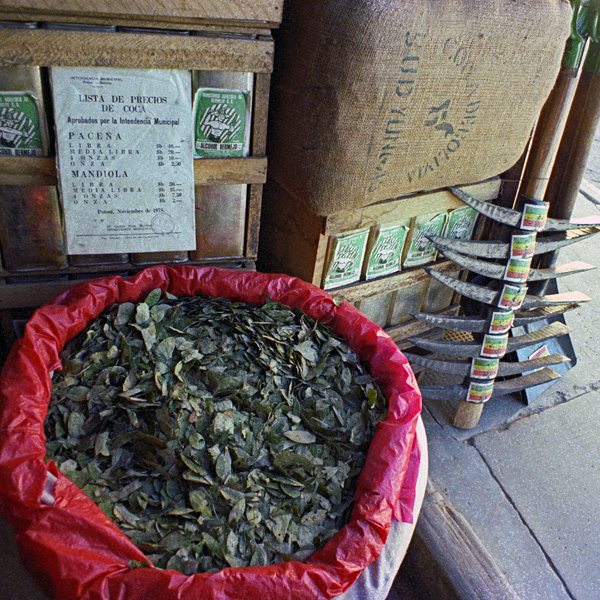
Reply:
x=22, y=277
x=265, y=11
x=289, y=234
x=253, y=211
x=207, y=171
x=31, y=294
x=260, y=115
x=177, y=25
x=449, y=561
x=406, y=207
x=26, y=295
x=213, y=171
x=318, y=277
x=357, y=291
x=28, y=170
x=40, y=47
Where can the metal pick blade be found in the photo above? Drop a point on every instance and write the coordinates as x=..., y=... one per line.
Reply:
x=464, y=288
x=443, y=392
x=498, y=271
x=501, y=388
x=480, y=325
x=447, y=348
x=552, y=330
x=511, y=217
x=532, y=302
x=482, y=267
x=482, y=249
x=463, y=368
x=562, y=271
x=554, y=242
x=510, y=296
x=516, y=368
x=454, y=367
x=562, y=225
x=474, y=348
x=474, y=324
x=510, y=386
x=542, y=313
x=498, y=249
x=508, y=216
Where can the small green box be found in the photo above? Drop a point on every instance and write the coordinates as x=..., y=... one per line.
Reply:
x=345, y=258
x=20, y=131
x=421, y=251
x=387, y=242
x=221, y=118
x=461, y=223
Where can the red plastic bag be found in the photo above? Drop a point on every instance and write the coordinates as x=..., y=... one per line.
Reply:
x=74, y=550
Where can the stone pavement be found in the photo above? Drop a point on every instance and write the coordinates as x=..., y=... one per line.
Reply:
x=524, y=485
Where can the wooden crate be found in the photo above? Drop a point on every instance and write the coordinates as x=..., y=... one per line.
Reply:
x=249, y=14
x=295, y=240
x=227, y=35
x=48, y=48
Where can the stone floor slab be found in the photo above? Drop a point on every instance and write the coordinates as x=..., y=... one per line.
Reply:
x=458, y=471
x=549, y=465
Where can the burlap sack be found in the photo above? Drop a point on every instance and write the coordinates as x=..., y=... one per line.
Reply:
x=373, y=100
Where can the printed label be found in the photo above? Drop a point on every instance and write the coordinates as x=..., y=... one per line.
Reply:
x=484, y=368
x=534, y=216
x=517, y=270
x=501, y=322
x=220, y=118
x=512, y=296
x=20, y=131
x=421, y=251
x=522, y=245
x=346, y=257
x=494, y=345
x=480, y=392
x=124, y=139
x=540, y=352
x=461, y=223
x=387, y=250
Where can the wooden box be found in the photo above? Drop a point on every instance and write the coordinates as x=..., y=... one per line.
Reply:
x=197, y=35
x=222, y=36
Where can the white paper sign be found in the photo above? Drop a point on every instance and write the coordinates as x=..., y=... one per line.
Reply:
x=125, y=159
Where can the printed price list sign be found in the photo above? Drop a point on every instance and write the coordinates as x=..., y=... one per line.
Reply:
x=125, y=159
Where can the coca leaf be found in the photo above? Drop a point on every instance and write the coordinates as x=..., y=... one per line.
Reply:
x=153, y=297
x=301, y=437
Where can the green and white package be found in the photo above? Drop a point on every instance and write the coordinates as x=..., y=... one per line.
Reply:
x=421, y=251
x=385, y=250
x=345, y=258
x=20, y=131
x=221, y=122
x=461, y=223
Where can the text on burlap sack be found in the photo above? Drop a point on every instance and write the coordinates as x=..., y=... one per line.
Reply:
x=445, y=117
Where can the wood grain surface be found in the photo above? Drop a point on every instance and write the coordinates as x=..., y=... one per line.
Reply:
x=267, y=11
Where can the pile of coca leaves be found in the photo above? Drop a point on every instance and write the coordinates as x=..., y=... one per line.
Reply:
x=214, y=433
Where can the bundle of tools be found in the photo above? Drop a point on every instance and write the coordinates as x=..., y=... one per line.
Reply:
x=497, y=297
